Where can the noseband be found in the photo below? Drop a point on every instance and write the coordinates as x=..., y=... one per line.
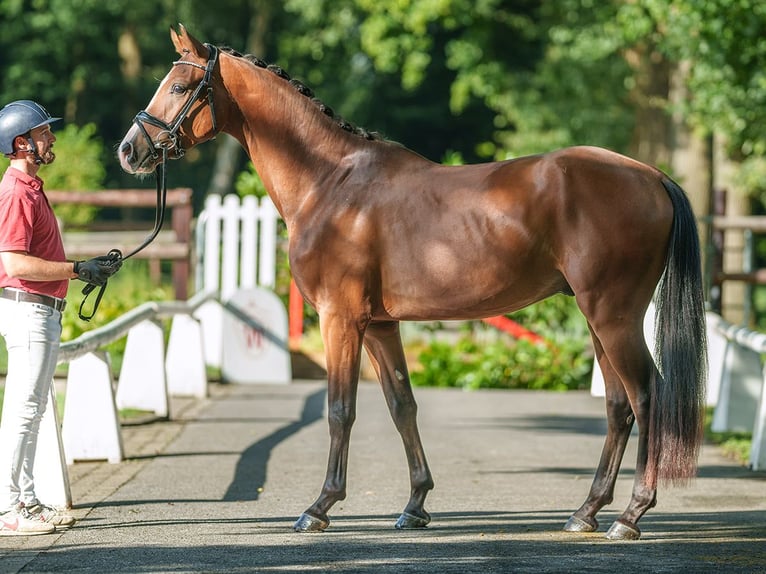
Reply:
x=170, y=130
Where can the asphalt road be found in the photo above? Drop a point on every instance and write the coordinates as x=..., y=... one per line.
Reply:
x=217, y=489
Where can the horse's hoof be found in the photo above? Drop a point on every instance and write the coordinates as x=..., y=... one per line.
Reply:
x=575, y=524
x=620, y=530
x=407, y=521
x=308, y=523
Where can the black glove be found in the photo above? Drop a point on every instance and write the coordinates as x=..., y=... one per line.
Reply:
x=96, y=271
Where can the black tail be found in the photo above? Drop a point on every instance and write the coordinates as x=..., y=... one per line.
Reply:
x=678, y=394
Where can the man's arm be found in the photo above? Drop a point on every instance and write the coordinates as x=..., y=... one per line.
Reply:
x=21, y=265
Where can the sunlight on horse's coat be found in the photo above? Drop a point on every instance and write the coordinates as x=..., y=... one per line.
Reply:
x=379, y=234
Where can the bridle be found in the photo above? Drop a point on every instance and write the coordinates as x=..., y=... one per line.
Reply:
x=170, y=141
x=169, y=131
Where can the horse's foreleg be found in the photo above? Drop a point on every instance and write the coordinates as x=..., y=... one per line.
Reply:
x=342, y=340
x=384, y=344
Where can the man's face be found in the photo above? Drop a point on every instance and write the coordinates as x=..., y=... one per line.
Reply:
x=44, y=139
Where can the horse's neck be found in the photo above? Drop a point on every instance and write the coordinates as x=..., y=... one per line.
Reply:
x=291, y=143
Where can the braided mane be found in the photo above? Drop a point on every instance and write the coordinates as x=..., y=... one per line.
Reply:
x=306, y=91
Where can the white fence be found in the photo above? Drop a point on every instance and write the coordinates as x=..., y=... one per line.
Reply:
x=737, y=370
x=236, y=244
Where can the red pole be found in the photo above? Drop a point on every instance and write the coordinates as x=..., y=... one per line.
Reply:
x=513, y=328
x=295, y=315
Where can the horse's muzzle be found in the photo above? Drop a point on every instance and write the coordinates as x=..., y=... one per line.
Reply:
x=132, y=159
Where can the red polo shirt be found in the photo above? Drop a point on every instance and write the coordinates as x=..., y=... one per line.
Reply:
x=27, y=223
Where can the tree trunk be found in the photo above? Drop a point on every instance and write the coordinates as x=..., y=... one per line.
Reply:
x=651, y=141
x=735, y=296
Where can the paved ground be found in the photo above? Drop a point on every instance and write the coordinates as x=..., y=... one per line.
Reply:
x=218, y=488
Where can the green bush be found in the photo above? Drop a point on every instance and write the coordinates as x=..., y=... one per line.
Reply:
x=563, y=362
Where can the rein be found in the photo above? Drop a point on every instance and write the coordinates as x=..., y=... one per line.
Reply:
x=169, y=142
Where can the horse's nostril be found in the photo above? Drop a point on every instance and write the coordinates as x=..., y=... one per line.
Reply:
x=126, y=149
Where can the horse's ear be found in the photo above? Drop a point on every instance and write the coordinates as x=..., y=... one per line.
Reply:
x=185, y=42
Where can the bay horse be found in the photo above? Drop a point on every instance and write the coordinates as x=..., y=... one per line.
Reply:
x=379, y=234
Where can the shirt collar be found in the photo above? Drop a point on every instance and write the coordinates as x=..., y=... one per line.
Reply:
x=31, y=180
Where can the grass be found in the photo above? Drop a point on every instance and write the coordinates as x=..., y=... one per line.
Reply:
x=735, y=445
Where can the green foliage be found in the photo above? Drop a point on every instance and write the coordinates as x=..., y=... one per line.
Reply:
x=249, y=182
x=487, y=78
x=726, y=42
x=562, y=363
x=503, y=365
x=79, y=164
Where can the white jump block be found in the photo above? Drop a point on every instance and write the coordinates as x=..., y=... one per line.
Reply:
x=143, y=385
x=716, y=355
x=257, y=352
x=210, y=315
x=758, y=445
x=50, y=470
x=597, y=385
x=91, y=428
x=740, y=390
x=185, y=360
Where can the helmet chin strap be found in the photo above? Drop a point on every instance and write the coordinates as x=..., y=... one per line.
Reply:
x=33, y=149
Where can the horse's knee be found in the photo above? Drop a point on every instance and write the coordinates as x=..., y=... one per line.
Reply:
x=341, y=415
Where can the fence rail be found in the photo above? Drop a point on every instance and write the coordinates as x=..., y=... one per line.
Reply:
x=93, y=340
x=174, y=244
x=737, y=369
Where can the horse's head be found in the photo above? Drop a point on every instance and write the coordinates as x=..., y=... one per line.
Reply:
x=180, y=115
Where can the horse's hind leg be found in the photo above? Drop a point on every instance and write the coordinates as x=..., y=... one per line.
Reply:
x=627, y=368
x=619, y=424
x=384, y=344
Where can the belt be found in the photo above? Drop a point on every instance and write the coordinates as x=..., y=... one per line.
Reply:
x=24, y=297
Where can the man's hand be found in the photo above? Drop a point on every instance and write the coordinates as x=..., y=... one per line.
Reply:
x=96, y=271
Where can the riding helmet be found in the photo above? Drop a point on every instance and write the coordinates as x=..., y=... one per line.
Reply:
x=19, y=117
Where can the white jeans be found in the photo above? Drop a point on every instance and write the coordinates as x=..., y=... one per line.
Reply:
x=32, y=334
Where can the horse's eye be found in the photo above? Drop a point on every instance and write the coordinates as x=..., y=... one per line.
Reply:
x=178, y=89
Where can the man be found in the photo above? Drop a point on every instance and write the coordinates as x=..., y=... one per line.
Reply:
x=34, y=277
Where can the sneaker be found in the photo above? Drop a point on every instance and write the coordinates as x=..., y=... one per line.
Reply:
x=16, y=522
x=49, y=515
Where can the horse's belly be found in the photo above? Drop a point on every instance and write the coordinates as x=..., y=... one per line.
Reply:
x=468, y=292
